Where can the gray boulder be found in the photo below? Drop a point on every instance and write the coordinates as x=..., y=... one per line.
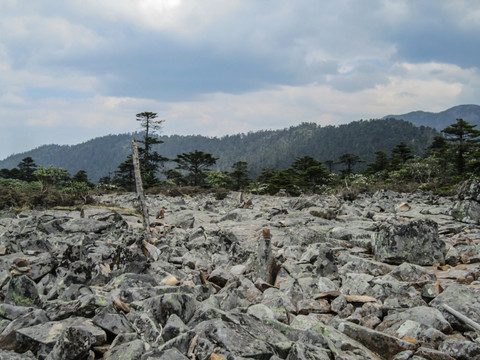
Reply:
x=416, y=242
x=462, y=299
x=22, y=291
x=467, y=207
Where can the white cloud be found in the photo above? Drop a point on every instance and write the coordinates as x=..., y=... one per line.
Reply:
x=222, y=67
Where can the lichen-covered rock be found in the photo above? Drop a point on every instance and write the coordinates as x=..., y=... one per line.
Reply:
x=74, y=344
x=416, y=242
x=462, y=299
x=467, y=207
x=22, y=291
x=384, y=345
x=162, y=306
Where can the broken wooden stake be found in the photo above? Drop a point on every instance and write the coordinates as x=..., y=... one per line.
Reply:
x=462, y=317
x=139, y=186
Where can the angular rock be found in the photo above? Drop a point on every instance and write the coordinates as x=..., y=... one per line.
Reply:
x=43, y=337
x=416, y=242
x=467, y=208
x=413, y=273
x=462, y=350
x=112, y=321
x=174, y=327
x=22, y=291
x=132, y=350
x=74, y=344
x=163, y=306
x=462, y=299
x=235, y=339
x=385, y=345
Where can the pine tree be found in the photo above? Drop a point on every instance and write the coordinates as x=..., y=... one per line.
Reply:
x=196, y=164
x=26, y=169
x=239, y=175
x=149, y=159
x=463, y=138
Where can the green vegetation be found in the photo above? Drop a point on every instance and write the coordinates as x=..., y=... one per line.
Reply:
x=29, y=186
x=445, y=161
x=276, y=149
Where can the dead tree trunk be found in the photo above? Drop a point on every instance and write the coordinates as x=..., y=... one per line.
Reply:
x=138, y=182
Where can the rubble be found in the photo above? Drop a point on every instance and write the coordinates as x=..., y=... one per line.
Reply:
x=216, y=280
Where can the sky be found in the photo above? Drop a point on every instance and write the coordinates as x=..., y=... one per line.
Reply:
x=74, y=70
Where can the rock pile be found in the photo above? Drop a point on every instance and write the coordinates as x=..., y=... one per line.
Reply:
x=314, y=277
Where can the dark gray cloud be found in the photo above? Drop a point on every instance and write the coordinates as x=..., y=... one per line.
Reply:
x=219, y=66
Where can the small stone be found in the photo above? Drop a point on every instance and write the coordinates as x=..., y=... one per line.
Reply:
x=403, y=207
x=170, y=280
x=359, y=298
x=120, y=305
x=305, y=307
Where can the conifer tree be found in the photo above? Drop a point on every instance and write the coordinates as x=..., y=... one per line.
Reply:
x=196, y=164
x=463, y=138
x=149, y=159
x=26, y=169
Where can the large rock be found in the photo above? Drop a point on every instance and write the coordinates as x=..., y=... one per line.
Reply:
x=416, y=242
x=462, y=299
x=385, y=345
x=22, y=291
x=467, y=207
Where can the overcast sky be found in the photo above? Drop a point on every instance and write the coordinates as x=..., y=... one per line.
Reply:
x=73, y=70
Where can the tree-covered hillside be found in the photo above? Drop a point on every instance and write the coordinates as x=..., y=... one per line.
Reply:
x=441, y=120
x=261, y=149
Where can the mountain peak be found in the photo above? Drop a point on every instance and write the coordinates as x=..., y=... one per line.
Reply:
x=440, y=120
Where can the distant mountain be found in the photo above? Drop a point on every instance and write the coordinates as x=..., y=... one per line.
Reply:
x=441, y=120
x=267, y=148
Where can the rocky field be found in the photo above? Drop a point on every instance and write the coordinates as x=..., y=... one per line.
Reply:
x=385, y=276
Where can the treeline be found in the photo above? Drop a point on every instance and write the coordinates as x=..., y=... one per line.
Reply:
x=267, y=148
x=452, y=156
x=29, y=185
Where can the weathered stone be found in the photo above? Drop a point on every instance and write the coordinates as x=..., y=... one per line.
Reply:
x=10, y=355
x=307, y=352
x=8, y=337
x=22, y=291
x=416, y=242
x=132, y=350
x=352, y=263
x=144, y=324
x=112, y=321
x=427, y=316
x=462, y=299
x=467, y=208
x=43, y=337
x=169, y=354
x=74, y=344
x=413, y=273
x=462, y=350
x=235, y=339
x=261, y=312
x=182, y=343
x=384, y=345
x=162, y=306
x=432, y=354
x=306, y=306
x=174, y=327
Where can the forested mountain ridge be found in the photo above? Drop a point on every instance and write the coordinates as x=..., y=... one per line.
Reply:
x=260, y=149
x=441, y=120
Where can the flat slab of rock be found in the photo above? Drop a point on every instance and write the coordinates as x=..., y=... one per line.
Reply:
x=49, y=332
x=385, y=345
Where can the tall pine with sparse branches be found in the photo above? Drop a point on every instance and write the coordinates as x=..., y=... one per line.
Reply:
x=150, y=160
